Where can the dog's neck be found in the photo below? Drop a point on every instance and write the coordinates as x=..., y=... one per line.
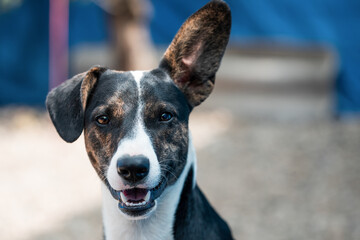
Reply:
x=160, y=224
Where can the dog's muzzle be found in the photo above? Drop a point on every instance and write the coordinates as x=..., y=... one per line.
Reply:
x=135, y=201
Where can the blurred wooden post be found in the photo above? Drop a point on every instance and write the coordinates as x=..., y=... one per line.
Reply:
x=131, y=37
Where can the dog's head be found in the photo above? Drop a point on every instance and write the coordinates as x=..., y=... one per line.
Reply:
x=136, y=123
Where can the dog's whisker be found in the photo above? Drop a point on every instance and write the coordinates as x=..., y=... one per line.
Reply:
x=169, y=160
x=163, y=176
x=169, y=171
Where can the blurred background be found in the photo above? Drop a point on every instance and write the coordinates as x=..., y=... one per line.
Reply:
x=278, y=141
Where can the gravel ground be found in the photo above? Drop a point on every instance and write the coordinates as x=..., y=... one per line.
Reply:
x=273, y=164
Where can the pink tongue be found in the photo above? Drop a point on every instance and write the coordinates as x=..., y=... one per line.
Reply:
x=135, y=194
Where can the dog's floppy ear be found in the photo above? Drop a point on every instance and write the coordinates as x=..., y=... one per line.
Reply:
x=66, y=103
x=194, y=55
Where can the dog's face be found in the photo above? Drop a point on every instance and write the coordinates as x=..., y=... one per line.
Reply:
x=136, y=135
x=136, y=123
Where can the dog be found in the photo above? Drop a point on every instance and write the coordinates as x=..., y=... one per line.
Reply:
x=137, y=137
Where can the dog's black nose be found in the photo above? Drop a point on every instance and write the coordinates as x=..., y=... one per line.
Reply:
x=133, y=168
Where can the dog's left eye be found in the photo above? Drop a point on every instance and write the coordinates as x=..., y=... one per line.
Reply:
x=165, y=117
x=102, y=120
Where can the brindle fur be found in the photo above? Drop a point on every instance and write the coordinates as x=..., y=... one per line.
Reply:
x=171, y=139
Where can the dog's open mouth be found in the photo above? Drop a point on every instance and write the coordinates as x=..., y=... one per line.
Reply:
x=138, y=201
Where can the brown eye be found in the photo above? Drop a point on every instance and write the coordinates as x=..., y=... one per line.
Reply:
x=102, y=120
x=166, y=116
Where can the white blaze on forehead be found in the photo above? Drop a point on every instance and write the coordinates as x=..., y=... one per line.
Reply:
x=136, y=143
x=138, y=76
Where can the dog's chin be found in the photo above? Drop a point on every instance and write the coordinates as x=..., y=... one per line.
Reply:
x=138, y=203
x=137, y=213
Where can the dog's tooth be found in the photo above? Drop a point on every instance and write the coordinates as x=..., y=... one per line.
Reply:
x=147, y=197
x=123, y=198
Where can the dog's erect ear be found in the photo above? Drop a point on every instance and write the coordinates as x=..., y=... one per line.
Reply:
x=66, y=103
x=194, y=55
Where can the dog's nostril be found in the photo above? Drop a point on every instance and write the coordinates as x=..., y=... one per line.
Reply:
x=124, y=172
x=133, y=168
x=142, y=172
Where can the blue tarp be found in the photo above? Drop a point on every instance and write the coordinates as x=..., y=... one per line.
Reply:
x=24, y=46
x=24, y=37
x=24, y=53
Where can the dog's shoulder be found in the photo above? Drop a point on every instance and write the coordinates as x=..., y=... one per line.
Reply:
x=196, y=218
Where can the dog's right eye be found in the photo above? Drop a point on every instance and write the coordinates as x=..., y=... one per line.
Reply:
x=102, y=120
x=165, y=117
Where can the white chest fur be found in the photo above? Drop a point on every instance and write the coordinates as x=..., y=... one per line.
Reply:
x=157, y=226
